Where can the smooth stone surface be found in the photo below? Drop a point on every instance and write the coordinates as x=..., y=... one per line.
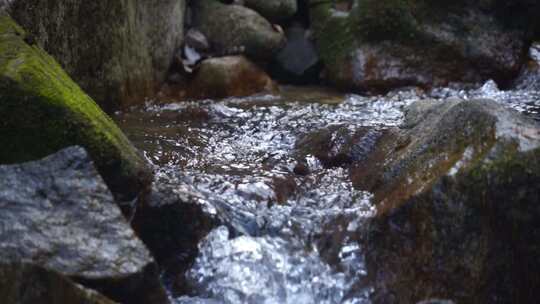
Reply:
x=229, y=76
x=275, y=10
x=230, y=27
x=298, y=61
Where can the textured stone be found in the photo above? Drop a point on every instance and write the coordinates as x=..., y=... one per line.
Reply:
x=23, y=283
x=57, y=212
x=457, y=190
x=381, y=45
x=117, y=51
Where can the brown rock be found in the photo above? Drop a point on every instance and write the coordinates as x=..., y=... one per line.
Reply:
x=227, y=77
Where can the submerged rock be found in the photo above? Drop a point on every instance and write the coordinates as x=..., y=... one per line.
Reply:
x=229, y=27
x=58, y=213
x=43, y=111
x=117, y=51
x=229, y=76
x=23, y=283
x=383, y=45
x=276, y=10
x=336, y=145
x=457, y=191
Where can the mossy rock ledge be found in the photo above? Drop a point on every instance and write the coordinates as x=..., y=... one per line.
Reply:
x=43, y=111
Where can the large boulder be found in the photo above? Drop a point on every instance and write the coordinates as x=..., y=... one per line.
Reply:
x=457, y=191
x=58, y=213
x=230, y=27
x=117, y=51
x=381, y=45
x=276, y=10
x=43, y=111
x=229, y=76
x=24, y=283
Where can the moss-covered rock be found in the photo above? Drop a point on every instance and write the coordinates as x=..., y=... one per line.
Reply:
x=117, y=51
x=43, y=111
x=380, y=45
x=457, y=191
x=229, y=27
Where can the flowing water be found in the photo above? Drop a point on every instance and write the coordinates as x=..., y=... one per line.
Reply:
x=285, y=238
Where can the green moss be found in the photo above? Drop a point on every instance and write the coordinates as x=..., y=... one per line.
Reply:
x=334, y=34
x=378, y=20
x=43, y=111
x=338, y=34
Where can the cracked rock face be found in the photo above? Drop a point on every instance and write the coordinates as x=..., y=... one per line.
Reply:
x=57, y=212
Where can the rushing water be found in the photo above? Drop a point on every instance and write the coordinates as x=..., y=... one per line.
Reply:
x=285, y=238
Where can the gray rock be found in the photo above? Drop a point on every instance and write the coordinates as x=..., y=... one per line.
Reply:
x=232, y=26
x=57, y=212
x=23, y=283
x=117, y=51
x=298, y=59
x=529, y=78
x=197, y=40
x=276, y=10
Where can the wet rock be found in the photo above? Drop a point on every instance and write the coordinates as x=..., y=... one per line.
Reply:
x=43, y=111
x=336, y=145
x=23, y=283
x=171, y=222
x=456, y=190
x=275, y=11
x=380, y=46
x=298, y=61
x=117, y=51
x=58, y=213
x=529, y=78
x=229, y=76
x=229, y=27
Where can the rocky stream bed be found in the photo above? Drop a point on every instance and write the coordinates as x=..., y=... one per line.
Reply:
x=287, y=223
